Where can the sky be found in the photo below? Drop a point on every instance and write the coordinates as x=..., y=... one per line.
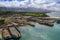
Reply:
x=44, y=4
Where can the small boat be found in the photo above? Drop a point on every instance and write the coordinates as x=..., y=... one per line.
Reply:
x=15, y=34
x=6, y=35
x=32, y=25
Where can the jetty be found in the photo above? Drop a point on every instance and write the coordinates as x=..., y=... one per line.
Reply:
x=54, y=19
x=49, y=21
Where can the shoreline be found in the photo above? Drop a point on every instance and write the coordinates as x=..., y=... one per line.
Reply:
x=49, y=21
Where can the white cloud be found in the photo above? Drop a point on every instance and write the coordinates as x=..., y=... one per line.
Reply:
x=14, y=3
x=45, y=4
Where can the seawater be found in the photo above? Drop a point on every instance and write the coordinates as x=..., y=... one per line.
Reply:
x=54, y=14
x=40, y=32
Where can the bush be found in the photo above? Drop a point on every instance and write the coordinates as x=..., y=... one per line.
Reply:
x=1, y=22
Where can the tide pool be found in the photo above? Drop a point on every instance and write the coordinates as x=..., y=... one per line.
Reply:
x=40, y=32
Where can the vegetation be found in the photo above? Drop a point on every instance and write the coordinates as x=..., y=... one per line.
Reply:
x=24, y=14
x=1, y=22
x=7, y=14
x=36, y=14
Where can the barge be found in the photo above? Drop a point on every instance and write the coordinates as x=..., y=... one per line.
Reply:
x=15, y=33
x=6, y=35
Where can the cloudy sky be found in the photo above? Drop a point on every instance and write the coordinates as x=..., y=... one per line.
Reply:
x=44, y=4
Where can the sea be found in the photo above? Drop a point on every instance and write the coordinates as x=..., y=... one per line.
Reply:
x=41, y=32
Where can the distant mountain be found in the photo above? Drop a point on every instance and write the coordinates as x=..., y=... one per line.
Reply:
x=29, y=9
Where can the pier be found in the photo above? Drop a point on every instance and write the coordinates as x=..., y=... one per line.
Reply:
x=49, y=21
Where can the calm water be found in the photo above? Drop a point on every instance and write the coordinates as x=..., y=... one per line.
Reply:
x=40, y=32
x=54, y=14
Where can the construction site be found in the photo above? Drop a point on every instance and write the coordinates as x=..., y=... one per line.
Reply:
x=9, y=25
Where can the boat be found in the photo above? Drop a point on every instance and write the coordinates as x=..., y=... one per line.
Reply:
x=32, y=25
x=15, y=33
x=6, y=35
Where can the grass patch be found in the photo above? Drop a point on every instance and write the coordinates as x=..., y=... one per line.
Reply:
x=36, y=14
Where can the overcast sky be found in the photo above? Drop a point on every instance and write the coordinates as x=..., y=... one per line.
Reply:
x=44, y=4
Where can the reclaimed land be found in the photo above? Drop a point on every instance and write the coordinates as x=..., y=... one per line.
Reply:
x=41, y=18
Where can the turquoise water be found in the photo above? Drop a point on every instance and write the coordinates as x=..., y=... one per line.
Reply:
x=40, y=32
